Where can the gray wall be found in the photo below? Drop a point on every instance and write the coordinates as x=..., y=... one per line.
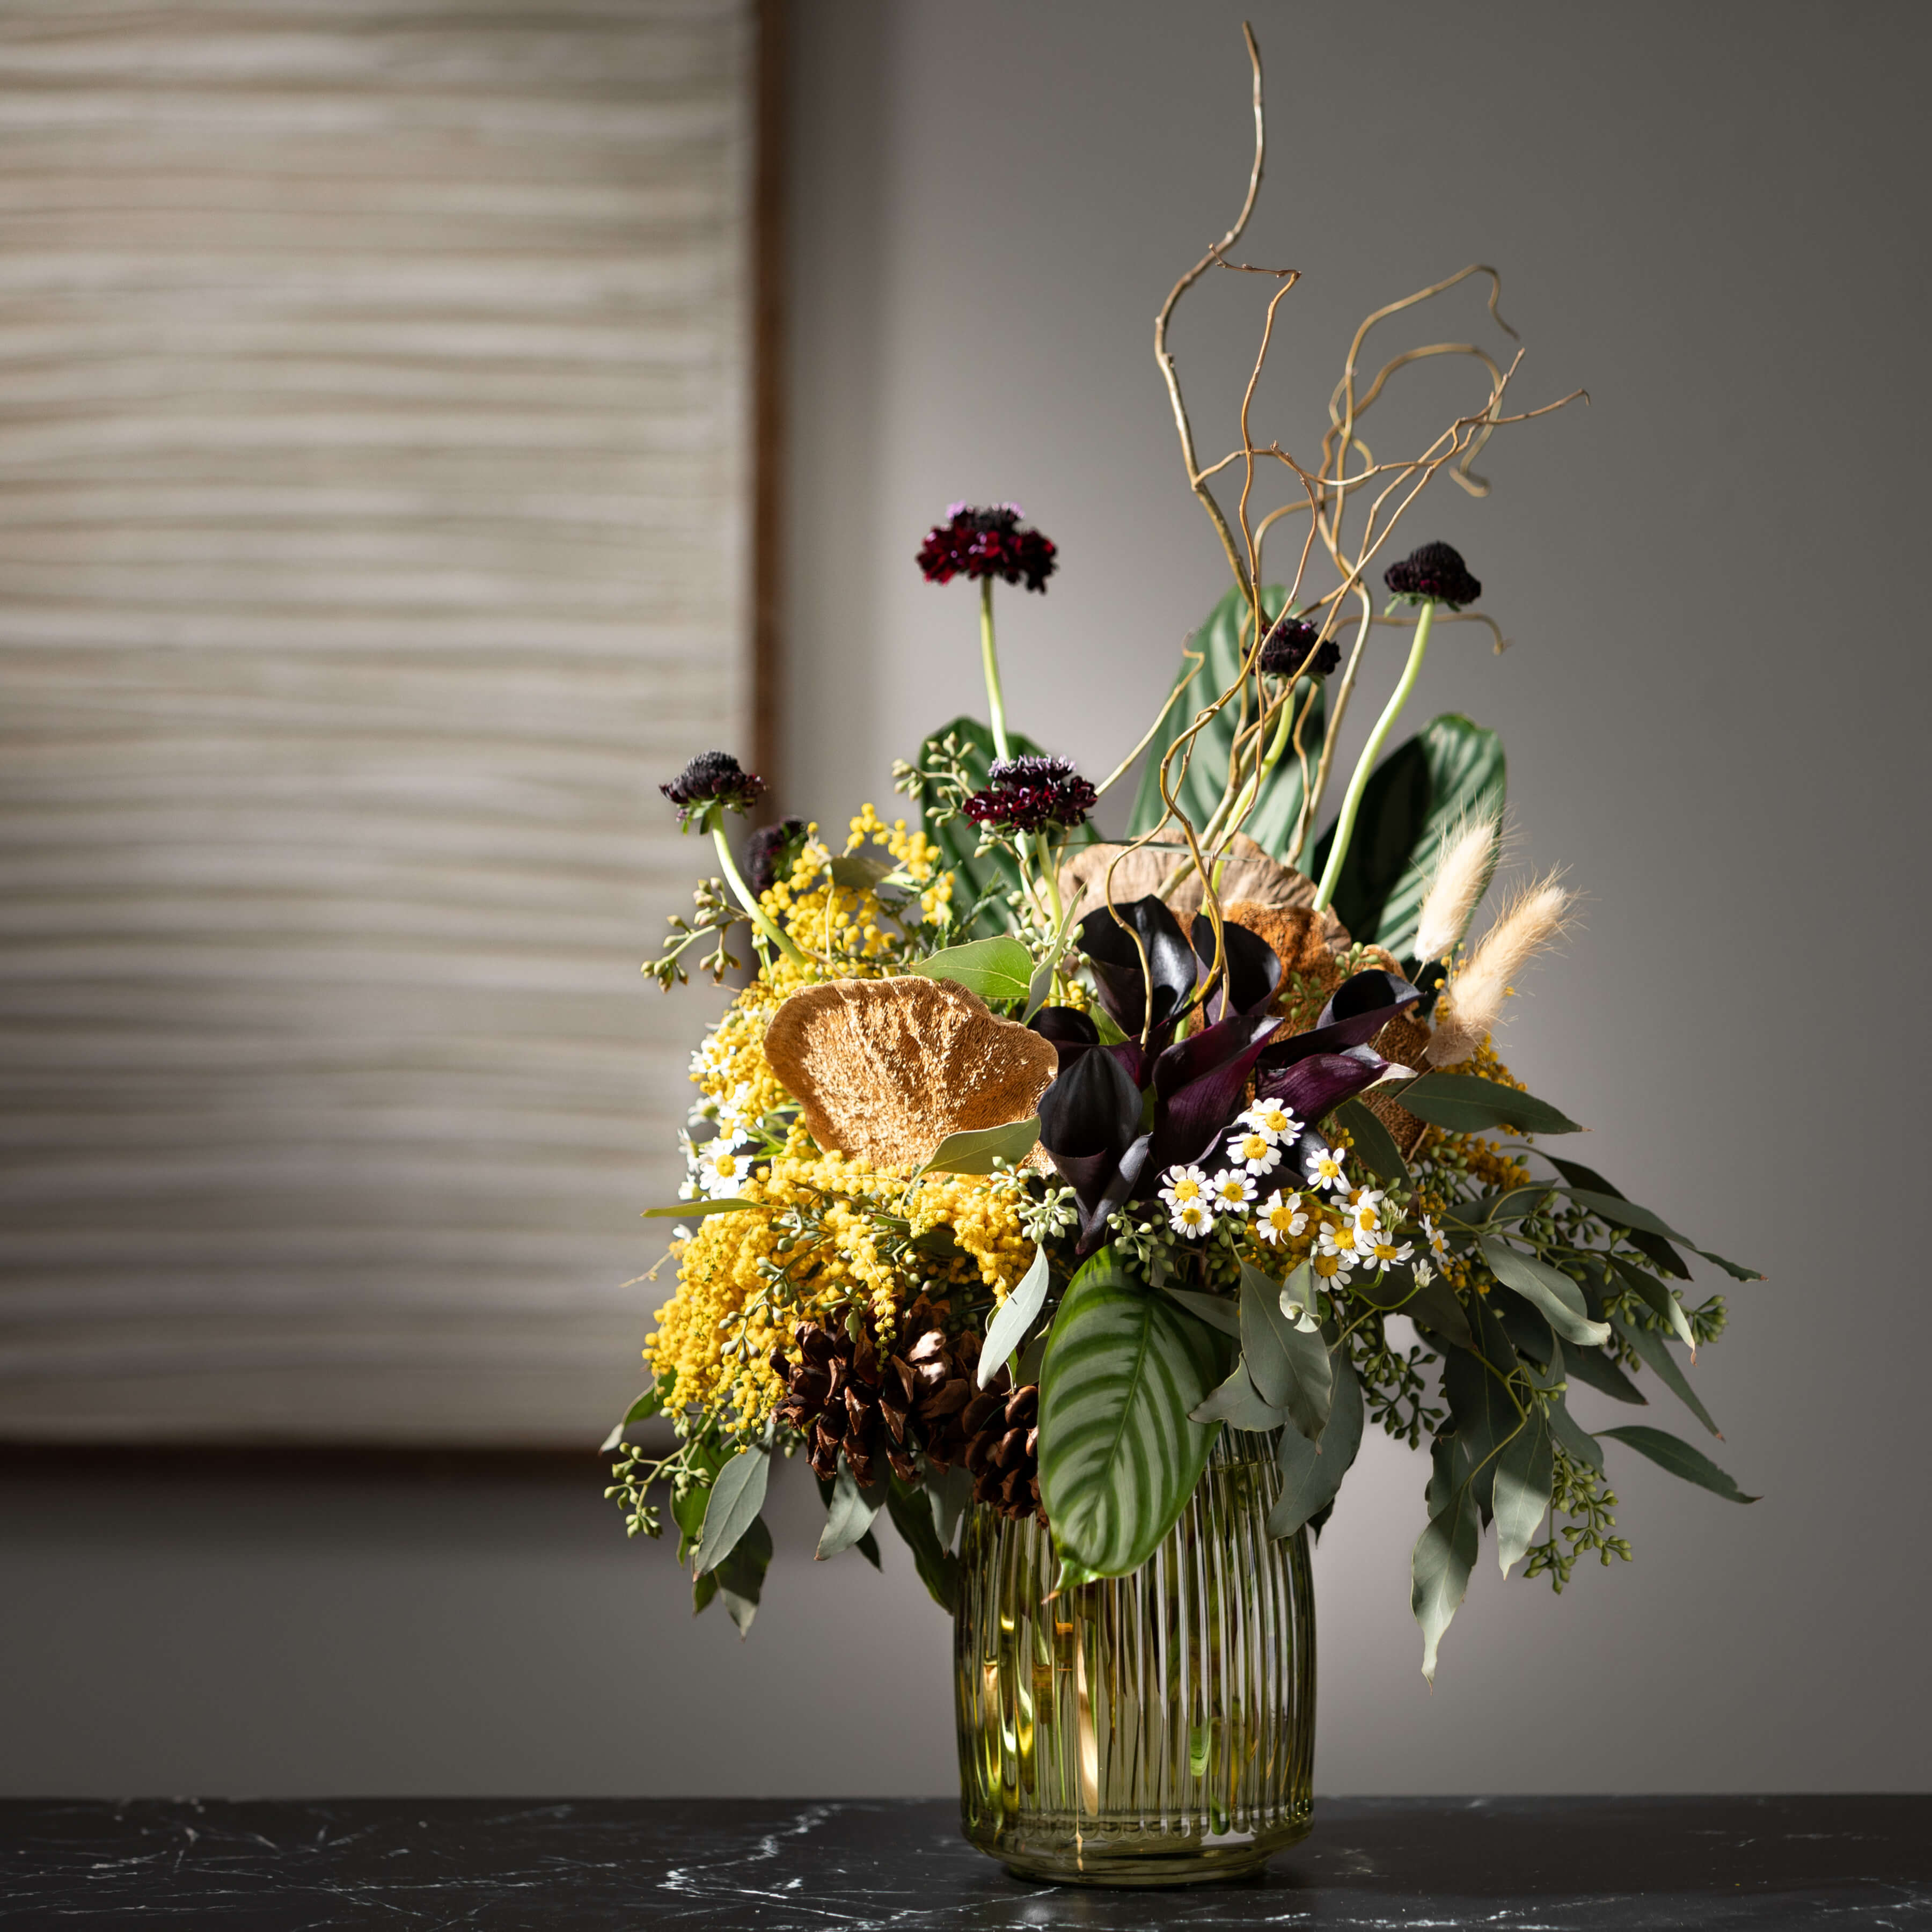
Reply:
x=1713, y=218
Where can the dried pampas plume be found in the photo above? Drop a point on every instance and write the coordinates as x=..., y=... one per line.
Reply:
x=1536, y=919
x=1467, y=862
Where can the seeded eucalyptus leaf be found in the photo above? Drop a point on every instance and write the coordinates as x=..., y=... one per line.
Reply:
x=1439, y=1571
x=737, y=1496
x=1552, y=1293
x=1219, y=644
x=703, y=1591
x=975, y=1151
x=1669, y=1452
x=1119, y=1453
x=695, y=1211
x=1466, y=1103
x=1655, y=1354
x=848, y=1512
x=1657, y=1296
x=1486, y=1418
x=861, y=871
x=1238, y=1404
x=1374, y=1143
x=912, y=1517
x=993, y=969
x=1013, y=1319
x=1311, y=1473
x=1595, y=1370
x=1216, y=1310
x=1524, y=1472
x=948, y=1495
x=1452, y=771
x=1289, y=1364
x=1570, y=1435
x=741, y=1574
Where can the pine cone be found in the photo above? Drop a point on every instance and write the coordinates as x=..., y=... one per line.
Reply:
x=841, y=1394
x=1002, y=1427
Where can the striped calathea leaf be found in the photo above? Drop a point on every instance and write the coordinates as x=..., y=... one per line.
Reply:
x=1119, y=1455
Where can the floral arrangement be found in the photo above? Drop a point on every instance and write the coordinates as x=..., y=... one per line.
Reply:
x=1023, y=1161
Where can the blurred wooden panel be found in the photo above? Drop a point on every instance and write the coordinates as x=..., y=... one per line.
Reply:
x=375, y=393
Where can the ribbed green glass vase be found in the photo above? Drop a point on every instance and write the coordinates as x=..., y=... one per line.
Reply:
x=1155, y=1729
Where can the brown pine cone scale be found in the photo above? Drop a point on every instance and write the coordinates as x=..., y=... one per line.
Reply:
x=842, y=1394
x=1002, y=1429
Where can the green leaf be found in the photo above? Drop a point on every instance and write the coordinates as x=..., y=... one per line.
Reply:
x=947, y=1494
x=1216, y=1310
x=741, y=1575
x=1439, y=1571
x=1559, y=1298
x=1595, y=1370
x=1311, y=1473
x=1288, y=1363
x=1655, y=1353
x=1374, y=1143
x=1485, y=1418
x=1565, y=1429
x=1218, y=642
x=1466, y=1103
x=1119, y=1456
x=994, y=969
x=1238, y=1404
x=861, y=871
x=1657, y=1296
x=938, y=1569
x=1524, y=1472
x=737, y=1496
x=1014, y=1318
x=1450, y=771
x=1621, y=1213
x=688, y=1508
x=1669, y=1452
x=649, y=1404
x=704, y=1589
x=695, y=1211
x=975, y=1151
x=849, y=1513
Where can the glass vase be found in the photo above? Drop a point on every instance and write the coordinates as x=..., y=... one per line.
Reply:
x=1154, y=1729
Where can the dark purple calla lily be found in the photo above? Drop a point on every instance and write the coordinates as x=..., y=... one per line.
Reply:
x=1252, y=967
x=1089, y=1126
x=1137, y=1000
x=1198, y=1085
x=1359, y=1009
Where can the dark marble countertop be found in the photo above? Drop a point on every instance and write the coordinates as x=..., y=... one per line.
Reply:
x=692, y=1865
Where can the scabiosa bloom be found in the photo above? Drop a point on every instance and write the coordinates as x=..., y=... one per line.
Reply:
x=769, y=851
x=1434, y=574
x=711, y=779
x=1024, y=794
x=1281, y=1217
x=1284, y=650
x=986, y=543
x=1256, y=1150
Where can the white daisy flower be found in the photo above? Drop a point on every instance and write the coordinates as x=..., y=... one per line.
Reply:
x=724, y=1166
x=1424, y=1274
x=1366, y=1204
x=1232, y=1192
x=1331, y=1270
x=1256, y=1150
x=1437, y=1245
x=1323, y=1166
x=1281, y=1216
x=1191, y=1218
x=1183, y=1184
x=1342, y=1238
x=1271, y=1118
x=1385, y=1250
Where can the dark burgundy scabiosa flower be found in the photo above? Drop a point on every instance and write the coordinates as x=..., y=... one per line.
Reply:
x=986, y=543
x=711, y=779
x=1024, y=794
x=768, y=852
x=1435, y=574
x=1284, y=650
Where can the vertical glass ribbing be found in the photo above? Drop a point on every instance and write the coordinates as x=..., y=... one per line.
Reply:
x=1153, y=1728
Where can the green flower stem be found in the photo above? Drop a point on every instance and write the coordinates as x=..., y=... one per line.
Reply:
x=1344, y=825
x=746, y=897
x=989, y=662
